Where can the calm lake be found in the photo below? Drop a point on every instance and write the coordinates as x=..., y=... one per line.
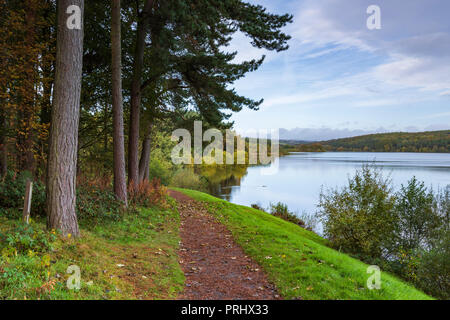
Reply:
x=302, y=175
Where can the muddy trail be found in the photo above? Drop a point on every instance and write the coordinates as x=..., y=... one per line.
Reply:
x=215, y=267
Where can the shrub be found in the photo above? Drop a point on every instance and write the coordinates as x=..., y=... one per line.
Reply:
x=415, y=226
x=12, y=192
x=26, y=239
x=407, y=232
x=186, y=178
x=415, y=218
x=311, y=221
x=258, y=206
x=96, y=201
x=281, y=210
x=359, y=218
x=433, y=271
x=148, y=194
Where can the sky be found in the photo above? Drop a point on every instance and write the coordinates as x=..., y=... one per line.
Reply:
x=341, y=79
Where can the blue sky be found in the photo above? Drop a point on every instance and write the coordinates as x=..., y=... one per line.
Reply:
x=340, y=79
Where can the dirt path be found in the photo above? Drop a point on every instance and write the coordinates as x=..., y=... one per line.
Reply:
x=216, y=268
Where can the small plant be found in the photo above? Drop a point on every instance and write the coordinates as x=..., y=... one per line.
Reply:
x=257, y=206
x=281, y=210
x=311, y=221
x=26, y=239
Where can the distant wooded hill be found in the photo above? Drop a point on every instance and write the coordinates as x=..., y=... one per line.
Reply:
x=433, y=141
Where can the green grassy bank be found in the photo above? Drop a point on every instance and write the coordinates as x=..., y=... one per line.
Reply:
x=297, y=261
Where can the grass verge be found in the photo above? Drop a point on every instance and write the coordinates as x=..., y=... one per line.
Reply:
x=134, y=258
x=297, y=261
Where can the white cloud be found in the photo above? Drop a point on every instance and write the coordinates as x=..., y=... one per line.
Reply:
x=313, y=27
x=336, y=65
x=415, y=61
x=424, y=73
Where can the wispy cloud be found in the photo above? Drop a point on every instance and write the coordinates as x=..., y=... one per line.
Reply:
x=336, y=63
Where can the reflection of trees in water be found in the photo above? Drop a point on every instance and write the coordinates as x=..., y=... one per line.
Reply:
x=221, y=179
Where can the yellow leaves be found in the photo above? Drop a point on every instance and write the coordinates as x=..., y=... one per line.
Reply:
x=45, y=261
x=9, y=252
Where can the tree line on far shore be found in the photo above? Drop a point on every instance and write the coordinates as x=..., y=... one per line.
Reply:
x=424, y=142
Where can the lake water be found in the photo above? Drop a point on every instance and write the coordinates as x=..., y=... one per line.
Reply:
x=302, y=175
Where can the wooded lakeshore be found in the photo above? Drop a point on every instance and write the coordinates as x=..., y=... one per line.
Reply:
x=94, y=207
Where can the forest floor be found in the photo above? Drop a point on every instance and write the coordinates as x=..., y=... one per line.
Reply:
x=215, y=267
x=134, y=258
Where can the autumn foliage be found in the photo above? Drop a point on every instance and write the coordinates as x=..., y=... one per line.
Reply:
x=148, y=193
x=26, y=72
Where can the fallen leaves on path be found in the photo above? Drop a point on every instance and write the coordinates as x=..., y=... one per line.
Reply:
x=216, y=268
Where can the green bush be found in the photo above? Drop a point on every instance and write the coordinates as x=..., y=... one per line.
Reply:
x=12, y=192
x=407, y=233
x=416, y=220
x=433, y=271
x=415, y=228
x=97, y=204
x=360, y=218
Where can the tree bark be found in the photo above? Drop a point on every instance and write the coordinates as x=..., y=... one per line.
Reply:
x=133, y=142
x=120, y=184
x=144, y=163
x=62, y=159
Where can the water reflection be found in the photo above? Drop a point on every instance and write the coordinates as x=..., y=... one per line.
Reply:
x=301, y=176
x=222, y=179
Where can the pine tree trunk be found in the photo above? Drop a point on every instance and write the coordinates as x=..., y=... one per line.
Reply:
x=133, y=142
x=144, y=163
x=62, y=158
x=120, y=184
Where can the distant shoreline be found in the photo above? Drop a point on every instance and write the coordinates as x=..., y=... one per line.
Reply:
x=420, y=142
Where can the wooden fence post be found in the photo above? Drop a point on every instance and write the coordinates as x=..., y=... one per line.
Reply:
x=27, y=203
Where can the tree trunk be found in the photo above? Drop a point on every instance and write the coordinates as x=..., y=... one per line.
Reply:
x=120, y=184
x=62, y=158
x=144, y=163
x=133, y=142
